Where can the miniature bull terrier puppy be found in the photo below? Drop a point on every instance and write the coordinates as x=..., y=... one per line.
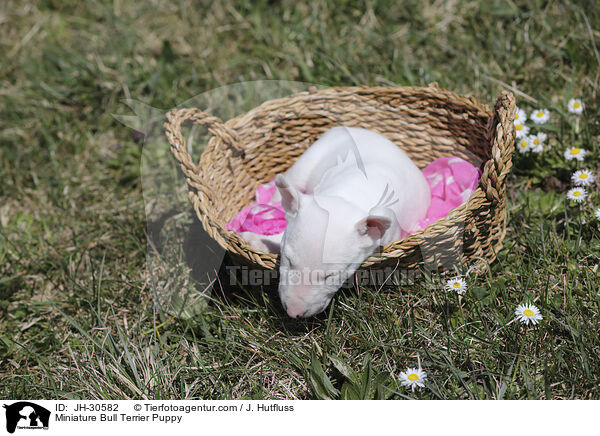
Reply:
x=350, y=193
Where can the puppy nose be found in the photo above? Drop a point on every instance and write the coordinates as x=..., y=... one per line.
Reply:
x=295, y=309
x=296, y=314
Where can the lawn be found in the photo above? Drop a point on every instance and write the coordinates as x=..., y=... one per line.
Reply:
x=80, y=315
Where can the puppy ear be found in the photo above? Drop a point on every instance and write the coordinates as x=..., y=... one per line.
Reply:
x=375, y=225
x=290, y=197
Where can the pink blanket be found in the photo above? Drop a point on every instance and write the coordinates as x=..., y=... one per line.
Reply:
x=452, y=180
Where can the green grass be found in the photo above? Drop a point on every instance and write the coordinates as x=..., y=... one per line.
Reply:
x=78, y=317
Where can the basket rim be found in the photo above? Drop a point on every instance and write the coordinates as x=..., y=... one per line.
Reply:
x=432, y=89
x=499, y=149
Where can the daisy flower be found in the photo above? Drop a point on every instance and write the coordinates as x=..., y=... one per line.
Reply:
x=520, y=115
x=521, y=129
x=575, y=153
x=537, y=142
x=575, y=106
x=528, y=313
x=524, y=144
x=413, y=377
x=577, y=194
x=597, y=213
x=457, y=284
x=540, y=116
x=583, y=177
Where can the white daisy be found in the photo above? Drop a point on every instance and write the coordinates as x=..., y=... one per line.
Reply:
x=524, y=144
x=540, y=116
x=521, y=129
x=597, y=213
x=537, y=142
x=528, y=313
x=413, y=377
x=520, y=115
x=457, y=284
x=583, y=177
x=538, y=138
x=575, y=153
x=577, y=194
x=575, y=106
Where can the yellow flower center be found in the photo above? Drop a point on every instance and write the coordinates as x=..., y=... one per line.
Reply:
x=583, y=176
x=575, y=151
x=576, y=105
x=413, y=377
x=540, y=114
x=528, y=312
x=456, y=285
x=536, y=141
x=576, y=194
x=519, y=127
x=517, y=116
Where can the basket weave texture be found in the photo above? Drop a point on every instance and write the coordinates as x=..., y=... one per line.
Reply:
x=426, y=122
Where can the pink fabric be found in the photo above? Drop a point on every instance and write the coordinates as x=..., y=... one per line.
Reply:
x=263, y=217
x=452, y=180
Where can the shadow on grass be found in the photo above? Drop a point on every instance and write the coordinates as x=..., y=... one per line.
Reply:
x=188, y=266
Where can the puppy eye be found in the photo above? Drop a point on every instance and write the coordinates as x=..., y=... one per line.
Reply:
x=288, y=261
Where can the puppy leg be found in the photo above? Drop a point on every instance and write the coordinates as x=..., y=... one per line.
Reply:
x=266, y=243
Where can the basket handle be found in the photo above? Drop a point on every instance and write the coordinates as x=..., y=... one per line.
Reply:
x=216, y=127
x=503, y=139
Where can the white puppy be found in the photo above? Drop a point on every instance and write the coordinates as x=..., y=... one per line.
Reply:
x=351, y=192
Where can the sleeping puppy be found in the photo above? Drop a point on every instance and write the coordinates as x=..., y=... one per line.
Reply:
x=351, y=192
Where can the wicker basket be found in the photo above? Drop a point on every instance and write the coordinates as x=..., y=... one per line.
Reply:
x=426, y=122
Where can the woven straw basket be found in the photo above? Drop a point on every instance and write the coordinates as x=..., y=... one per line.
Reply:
x=426, y=122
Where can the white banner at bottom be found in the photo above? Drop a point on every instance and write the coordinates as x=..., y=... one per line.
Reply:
x=114, y=418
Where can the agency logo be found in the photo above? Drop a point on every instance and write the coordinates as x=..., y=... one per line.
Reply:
x=26, y=415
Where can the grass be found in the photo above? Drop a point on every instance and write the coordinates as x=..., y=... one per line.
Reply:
x=78, y=317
